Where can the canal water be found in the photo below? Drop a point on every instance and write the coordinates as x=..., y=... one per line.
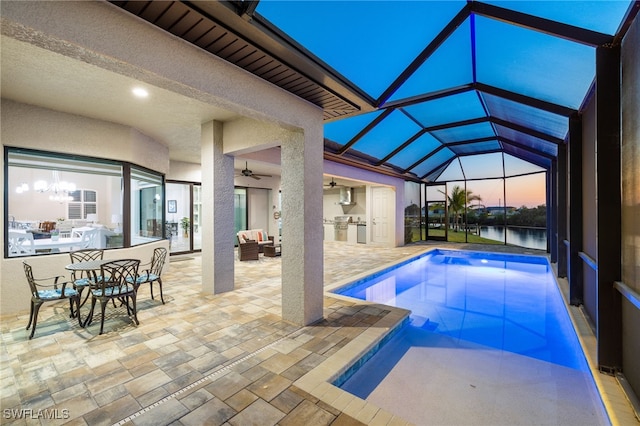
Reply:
x=535, y=238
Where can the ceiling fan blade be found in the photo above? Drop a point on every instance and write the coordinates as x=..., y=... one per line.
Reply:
x=256, y=174
x=256, y=177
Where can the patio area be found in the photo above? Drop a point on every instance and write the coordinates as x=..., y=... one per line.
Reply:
x=212, y=359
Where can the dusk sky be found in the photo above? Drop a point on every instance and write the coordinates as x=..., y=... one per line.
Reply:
x=526, y=191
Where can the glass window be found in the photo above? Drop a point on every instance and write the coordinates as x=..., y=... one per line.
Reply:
x=147, y=206
x=82, y=203
x=240, y=209
x=180, y=210
x=53, y=199
x=197, y=217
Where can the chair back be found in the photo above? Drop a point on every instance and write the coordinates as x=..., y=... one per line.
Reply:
x=86, y=255
x=20, y=243
x=28, y=271
x=157, y=261
x=89, y=238
x=119, y=277
x=47, y=226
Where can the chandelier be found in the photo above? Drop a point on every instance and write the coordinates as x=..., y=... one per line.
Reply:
x=60, y=189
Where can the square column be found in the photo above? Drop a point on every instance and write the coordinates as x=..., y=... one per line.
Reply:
x=217, y=212
x=302, y=232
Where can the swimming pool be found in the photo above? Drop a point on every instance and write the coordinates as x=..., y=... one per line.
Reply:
x=486, y=329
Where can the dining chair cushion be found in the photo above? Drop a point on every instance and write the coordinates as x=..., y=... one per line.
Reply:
x=113, y=291
x=146, y=277
x=83, y=282
x=56, y=293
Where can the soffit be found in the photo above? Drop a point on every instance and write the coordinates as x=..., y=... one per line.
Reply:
x=411, y=88
x=217, y=28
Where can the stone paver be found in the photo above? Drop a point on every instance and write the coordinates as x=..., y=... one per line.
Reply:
x=205, y=359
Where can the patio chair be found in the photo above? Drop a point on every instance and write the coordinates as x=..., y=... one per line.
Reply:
x=89, y=238
x=84, y=279
x=118, y=276
x=42, y=293
x=21, y=243
x=154, y=271
x=248, y=250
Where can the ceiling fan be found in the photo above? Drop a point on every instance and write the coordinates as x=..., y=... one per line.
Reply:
x=332, y=184
x=248, y=173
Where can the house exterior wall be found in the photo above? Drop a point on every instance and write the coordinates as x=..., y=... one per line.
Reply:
x=102, y=35
x=27, y=126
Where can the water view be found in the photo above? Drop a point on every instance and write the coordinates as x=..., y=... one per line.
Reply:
x=535, y=238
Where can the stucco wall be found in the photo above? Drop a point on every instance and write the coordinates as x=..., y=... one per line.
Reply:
x=375, y=179
x=28, y=126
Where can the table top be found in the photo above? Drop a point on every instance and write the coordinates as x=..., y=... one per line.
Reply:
x=89, y=265
x=45, y=243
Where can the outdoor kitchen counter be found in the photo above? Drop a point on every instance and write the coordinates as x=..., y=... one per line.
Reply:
x=329, y=232
x=352, y=234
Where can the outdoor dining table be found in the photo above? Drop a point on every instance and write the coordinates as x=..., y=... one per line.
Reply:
x=50, y=243
x=89, y=266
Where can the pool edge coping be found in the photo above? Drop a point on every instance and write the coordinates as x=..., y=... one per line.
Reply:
x=609, y=390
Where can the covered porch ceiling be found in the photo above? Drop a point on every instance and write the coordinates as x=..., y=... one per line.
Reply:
x=423, y=90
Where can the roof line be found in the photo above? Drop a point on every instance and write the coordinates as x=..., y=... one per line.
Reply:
x=426, y=157
x=633, y=10
x=408, y=142
x=428, y=96
x=486, y=88
x=471, y=141
x=546, y=26
x=360, y=165
x=425, y=54
x=525, y=148
x=444, y=166
x=527, y=131
x=439, y=173
x=366, y=130
x=534, y=161
x=526, y=100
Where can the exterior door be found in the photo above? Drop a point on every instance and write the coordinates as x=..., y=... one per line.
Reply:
x=183, y=216
x=382, y=200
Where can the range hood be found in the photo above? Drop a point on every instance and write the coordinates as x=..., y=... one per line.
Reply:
x=346, y=197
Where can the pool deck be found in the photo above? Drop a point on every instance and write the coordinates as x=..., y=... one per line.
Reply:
x=224, y=359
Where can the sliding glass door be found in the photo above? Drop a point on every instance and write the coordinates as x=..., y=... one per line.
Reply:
x=183, y=225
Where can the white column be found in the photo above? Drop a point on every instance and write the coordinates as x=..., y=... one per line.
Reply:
x=302, y=246
x=217, y=212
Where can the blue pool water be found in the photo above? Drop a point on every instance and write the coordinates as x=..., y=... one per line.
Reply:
x=488, y=342
x=507, y=302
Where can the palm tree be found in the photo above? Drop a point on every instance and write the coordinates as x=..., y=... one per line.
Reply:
x=458, y=200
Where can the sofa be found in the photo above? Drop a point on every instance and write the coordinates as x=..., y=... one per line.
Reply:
x=251, y=242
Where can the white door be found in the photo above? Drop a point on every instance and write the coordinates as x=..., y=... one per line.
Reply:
x=382, y=201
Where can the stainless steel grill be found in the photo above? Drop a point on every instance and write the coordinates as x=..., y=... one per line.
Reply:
x=341, y=225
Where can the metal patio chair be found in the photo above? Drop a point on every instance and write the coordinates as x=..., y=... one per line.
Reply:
x=48, y=290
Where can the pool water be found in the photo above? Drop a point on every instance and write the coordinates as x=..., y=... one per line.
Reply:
x=508, y=302
x=476, y=318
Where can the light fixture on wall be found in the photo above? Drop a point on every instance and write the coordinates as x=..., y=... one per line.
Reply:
x=60, y=188
x=116, y=219
x=23, y=187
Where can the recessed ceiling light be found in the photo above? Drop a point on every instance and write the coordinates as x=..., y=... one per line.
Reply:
x=140, y=92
